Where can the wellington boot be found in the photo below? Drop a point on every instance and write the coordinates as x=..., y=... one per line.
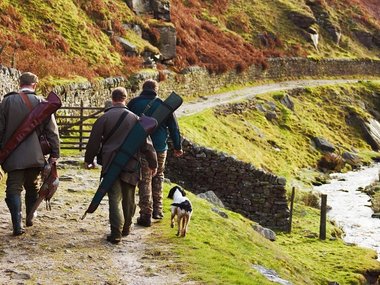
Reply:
x=30, y=199
x=14, y=204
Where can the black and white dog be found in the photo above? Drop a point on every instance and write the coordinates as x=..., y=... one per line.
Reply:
x=182, y=208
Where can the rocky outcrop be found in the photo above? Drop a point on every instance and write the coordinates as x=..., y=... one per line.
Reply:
x=372, y=133
x=370, y=129
x=324, y=20
x=161, y=9
x=301, y=20
x=167, y=41
x=323, y=145
x=165, y=38
x=365, y=38
x=140, y=6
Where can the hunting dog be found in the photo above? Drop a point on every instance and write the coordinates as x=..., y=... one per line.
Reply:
x=181, y=207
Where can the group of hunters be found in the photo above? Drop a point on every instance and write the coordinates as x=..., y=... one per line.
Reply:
x=24, y=163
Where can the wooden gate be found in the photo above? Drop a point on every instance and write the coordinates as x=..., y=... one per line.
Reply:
x=75, y=124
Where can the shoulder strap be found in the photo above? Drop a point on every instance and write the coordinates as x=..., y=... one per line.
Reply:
x=26, y=100
x=118, y=123
x=147, y=107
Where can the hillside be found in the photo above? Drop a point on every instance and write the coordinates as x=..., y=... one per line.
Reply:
x=100, y=38
x=275, y=131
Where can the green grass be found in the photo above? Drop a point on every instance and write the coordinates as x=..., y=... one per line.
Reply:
x=217, y=250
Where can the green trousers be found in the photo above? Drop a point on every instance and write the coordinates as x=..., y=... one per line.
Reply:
x=122, y=206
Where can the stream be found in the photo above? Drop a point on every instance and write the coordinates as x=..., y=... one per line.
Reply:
x=350, y=208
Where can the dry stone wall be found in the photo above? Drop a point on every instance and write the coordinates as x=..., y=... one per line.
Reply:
x=8, y=80
x=197, y=81
x=194, y=81
x=256, y=194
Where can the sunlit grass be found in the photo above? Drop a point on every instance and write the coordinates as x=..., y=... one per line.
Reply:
x=220, y=250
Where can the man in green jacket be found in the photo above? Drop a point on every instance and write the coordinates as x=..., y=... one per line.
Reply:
x=110, y=131
x=151, y=186
x=25, y=163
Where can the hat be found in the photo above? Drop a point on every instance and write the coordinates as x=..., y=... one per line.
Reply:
x=28, y=78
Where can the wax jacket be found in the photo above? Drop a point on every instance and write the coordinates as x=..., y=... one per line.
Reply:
x=100, y=130
x=28, y=154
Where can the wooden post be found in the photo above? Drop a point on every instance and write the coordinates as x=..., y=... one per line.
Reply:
x=291, y=209
x=81, y=126
x=322, y=227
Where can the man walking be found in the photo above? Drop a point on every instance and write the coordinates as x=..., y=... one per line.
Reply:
x=108, y=134
x=24, y=164
x=150, y=186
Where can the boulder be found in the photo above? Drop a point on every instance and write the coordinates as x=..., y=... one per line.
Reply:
x=302, y=21
x=133, y=27
x=286, y=101
x=369, y=127
x=139, y=6
x=212, y=198
x=364, y=37
x=323, y=145
x=161, y=9
x=129, y=48
x=372, y=133
x=271, y=116
x=220, y=213
x=167, y=41
x=352, y=159
x=265, y=232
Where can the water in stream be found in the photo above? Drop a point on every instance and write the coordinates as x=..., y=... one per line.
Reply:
x=351, y=208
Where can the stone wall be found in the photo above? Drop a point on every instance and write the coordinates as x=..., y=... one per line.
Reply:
x=256, y=194
x=197, y=81
x=8, y=80
x=194, y=81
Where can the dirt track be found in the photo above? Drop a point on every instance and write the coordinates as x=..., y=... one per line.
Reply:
x=63, y=249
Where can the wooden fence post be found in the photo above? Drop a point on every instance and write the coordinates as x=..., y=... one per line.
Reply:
x=81, y=126
x=291, y=209
x=322, y=227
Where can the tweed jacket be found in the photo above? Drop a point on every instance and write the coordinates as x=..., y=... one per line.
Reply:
x=28, y=154
x=100, y=130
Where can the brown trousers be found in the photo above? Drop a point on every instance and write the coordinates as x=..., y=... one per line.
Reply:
x=150, y=188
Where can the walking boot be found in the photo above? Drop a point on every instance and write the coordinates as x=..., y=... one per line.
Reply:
x=115, y=236
x=157, y=215
x=14, y=206
x=126, y=231
x=144, y=221
x=29, y=203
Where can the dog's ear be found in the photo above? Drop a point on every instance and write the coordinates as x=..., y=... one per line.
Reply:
x=182, y=191
x=171, y=192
